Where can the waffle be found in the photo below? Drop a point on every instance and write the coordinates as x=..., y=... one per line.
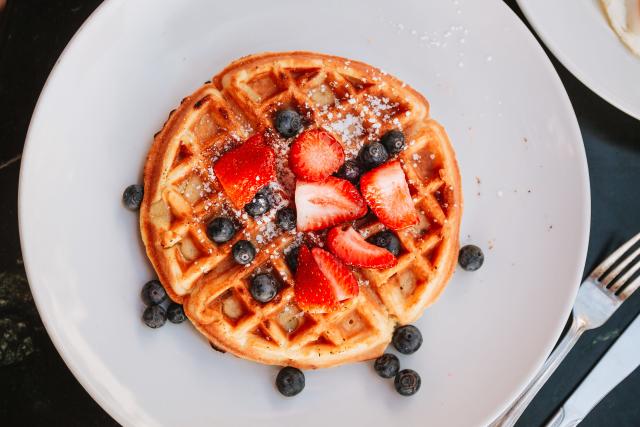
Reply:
x=355, y=102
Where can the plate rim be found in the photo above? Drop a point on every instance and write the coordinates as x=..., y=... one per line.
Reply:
x=565, y=59
x=109, y=404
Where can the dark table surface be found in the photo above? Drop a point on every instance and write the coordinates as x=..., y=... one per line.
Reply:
x=36, y=388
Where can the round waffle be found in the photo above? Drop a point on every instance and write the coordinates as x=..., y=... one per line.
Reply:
x=357, y=104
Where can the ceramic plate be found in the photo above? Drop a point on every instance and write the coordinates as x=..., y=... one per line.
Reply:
x=525, y=185
x=579, y=35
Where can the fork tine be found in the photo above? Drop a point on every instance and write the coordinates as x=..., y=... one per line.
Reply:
x=611, y=259
x=607, y=280
x=626, y=276
x=630, y=289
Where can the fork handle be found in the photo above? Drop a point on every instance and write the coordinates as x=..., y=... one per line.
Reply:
x=560, y=419
x=510, y=415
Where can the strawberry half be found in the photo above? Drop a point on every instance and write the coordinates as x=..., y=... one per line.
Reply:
x=322, y=281
x=324, y=204
x=342, y=280
x=246, y=169
x=312, y=290
x=386, y=191
x=315, y=155
x=350, y=247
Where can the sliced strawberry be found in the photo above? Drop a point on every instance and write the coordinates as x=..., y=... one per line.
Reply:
x=342, y=280
x=386, y=191
x=322, y=281
x=312, y=290
x=315, y=155
x=246, y=169
x=350, y=247
x=324, y=204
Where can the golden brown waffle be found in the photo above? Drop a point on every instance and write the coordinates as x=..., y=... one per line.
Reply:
x=357, y=103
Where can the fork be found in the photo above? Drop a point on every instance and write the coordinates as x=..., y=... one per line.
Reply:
x=599, y=296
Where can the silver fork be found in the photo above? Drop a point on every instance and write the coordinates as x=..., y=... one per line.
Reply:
x=598, y=298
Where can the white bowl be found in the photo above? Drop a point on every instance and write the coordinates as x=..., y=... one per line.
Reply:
x=524, y=179
x=579, y=35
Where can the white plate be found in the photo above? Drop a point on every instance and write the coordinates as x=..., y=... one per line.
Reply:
x=489, y=83
x=579, y=35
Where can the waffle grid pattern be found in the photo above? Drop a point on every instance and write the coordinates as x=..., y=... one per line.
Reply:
x=181, y=195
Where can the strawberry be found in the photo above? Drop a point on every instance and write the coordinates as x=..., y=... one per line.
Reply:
x=324, y=204
x=315, y=155
x=386, y=191
x=246, y=169
x=312, y=290
x=342, y=280
x=322, y=281
x=350, y=247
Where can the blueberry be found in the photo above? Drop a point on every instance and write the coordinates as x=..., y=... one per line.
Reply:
x=286, y=219
x=350, y=171
x=290, y=381
x=243, y=252
x=393, y=141
x=263, y=287
x=175, y=313
x=288, y=123
x=470, y=257
x=216, y=348
x=272, y=197
x=387, y=365
x=372, y=155
x=407, y=339
x=259, y=204
x=154, y=316
x=407, y=382
x=386, y=239
x=291, y=258
x=132, y=196
x=221, y=229
x=153, y=293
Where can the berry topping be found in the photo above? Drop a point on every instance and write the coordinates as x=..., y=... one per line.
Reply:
x=259, y=205
x=315, y=155
x=322, y=281
x=372, y=155
x=324, y=204
x=153, y=293
x=350, y=247
x=245, y=169
x=175, y=313
x=470, y=257
x=243, y=252
x=216, y=348
x=290, y=381
x=291, y=258
x=263, y=287
x=350, y=171
x=387, y=365
x=132, y=197
x=386, y=239
x=154, y=316
x=393, y=141
x=286, y=219
x=221, y=229
x=386, y=191
x=407, y=339
x=288, y=123
x=407, y=382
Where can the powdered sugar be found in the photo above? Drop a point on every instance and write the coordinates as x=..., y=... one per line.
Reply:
x=349, y=129
x=344, y=106
x=286, y=178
